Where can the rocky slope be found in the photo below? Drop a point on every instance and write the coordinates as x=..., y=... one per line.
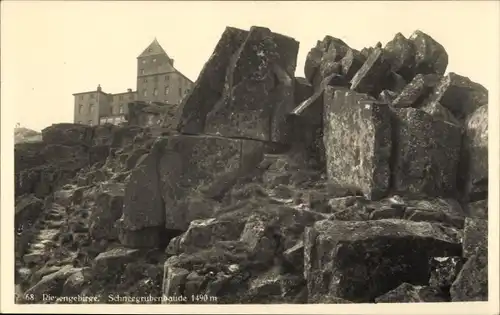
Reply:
x=364, y=182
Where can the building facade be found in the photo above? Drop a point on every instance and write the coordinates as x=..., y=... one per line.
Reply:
x=157, y=81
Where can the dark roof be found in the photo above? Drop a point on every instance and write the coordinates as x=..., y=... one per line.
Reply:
x=153, y=49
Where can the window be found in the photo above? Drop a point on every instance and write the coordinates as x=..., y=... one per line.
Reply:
x=121, y=97
x=149, y=50
x=121, y=109
x=131, y=97
x=166, y=90
x=91, y=108
x=80, y=109
x=155, y=92
x=92, y=96
x=180, y=91
x=155, y=78
x=145, y=92
x=154, y=59
x=145, y=80
x=142, y=71
x=90, y=122
x=167, y=78
x=81, y=97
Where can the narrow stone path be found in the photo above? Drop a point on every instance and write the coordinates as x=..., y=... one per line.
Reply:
x=50, y=237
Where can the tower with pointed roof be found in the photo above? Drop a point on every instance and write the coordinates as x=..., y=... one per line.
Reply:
x=157, y=79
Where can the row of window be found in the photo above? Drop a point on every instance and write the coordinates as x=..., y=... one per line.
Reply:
x=120, y=97
x=108, y=120
x=90, y=122
x=167, y=91
x=112, y=120
x=91, y=96
x=167, y=79
x=144, y=60
x=91, y=109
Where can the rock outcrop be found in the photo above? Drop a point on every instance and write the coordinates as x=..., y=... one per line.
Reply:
x=363, y=182
x=255, y=89
x=148, y=115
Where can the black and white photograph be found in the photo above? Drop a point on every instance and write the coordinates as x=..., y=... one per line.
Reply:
x=250, y=157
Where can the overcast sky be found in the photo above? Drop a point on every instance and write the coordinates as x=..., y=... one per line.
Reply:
x=51, y=50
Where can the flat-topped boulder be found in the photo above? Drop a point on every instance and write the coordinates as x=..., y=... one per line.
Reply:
x=67, y=134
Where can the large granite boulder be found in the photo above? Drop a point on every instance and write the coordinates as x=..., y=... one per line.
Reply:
x=475, y=235
x=208, y=88
x=112, y=263
x=426, y=154
x=306, y=120
x=143, y=204
x=163, y=188
x=430, y=56
x=108, y=209
x=325, y=59
x=259, y=89
x=357, y=138
x=361, y=260
x=459, y=95
x=351, y=63
x=375, y=74
x=401, y=53
x=417, y=91
x=471, y=283
x=256, y=93
x=205, y=164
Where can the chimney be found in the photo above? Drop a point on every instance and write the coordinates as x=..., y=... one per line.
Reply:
x=172, y=62
x=129, y=90
x=98, y=88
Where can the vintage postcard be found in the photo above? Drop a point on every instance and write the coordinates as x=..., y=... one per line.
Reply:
x=250, y=157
